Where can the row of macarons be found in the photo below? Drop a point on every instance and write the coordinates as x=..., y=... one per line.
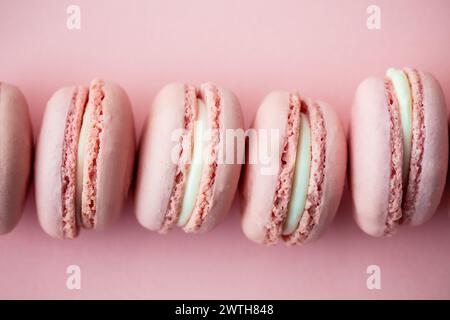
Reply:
x=86, y=159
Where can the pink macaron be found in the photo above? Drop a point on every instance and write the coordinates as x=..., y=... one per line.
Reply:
x=188, y=167
x=295, y=170
x=398, y=150
x=16, y=143
x=84, y=158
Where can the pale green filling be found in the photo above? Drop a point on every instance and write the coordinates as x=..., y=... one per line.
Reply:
x=301, y=177
x=82, y=141
x=403, y=92
x=195, y=168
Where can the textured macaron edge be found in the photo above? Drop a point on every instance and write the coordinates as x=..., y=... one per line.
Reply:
x=396, y=187
x=282, y=195
x=116, y=154
x=267, y=133
x=431, y=170
x=231, y=146
x=335, y=170
x=209, y=93
x=73, y=124
x=93, y=146
x=417, y=146
x=184, y=158
x=314, y=199
x=328, y=171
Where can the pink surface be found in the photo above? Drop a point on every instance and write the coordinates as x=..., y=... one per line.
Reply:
x=322, y=48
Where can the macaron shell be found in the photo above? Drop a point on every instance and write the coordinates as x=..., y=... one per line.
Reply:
x=435, y=156
x=334, y=170
x=116, y=156
x=258, y=189
x=48, y=162
x=15, y=155
x=156, y=170
x=370, y=156
x=226, y=175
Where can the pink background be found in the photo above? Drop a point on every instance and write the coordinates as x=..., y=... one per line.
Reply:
x=321, y=48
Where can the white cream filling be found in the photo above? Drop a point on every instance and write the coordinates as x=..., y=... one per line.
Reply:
x=81, y=152
x=301, y=177
x=195, y=168
x=403, y=92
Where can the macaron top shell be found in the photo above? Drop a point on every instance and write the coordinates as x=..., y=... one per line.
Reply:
x=15, y=155
x=370, y=156
x=372, y=160
x=434, y=164
x=262, y=176
x=114, y=160
x=164, y=157
x=156, y=171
